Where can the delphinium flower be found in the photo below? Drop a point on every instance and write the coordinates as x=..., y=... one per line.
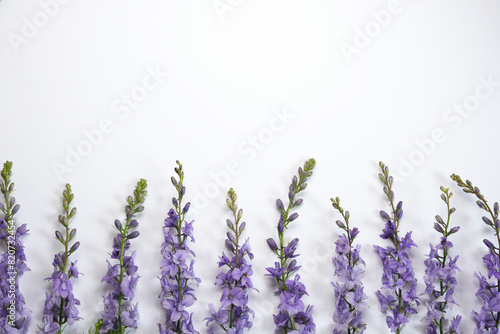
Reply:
x=15, y=317
x=233, y=315
x=488, y=318
x=60, y=304
x=349, y=294
x=119, y=311
x=293, y=316
x=440, y=280
x=177, y=267
x=398, y=279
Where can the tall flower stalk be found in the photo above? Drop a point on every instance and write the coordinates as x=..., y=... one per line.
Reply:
x=119, y=313
x=440, y=276
x=233, y=315
x=349, y=295
x=177, y=267
x=60, y=304
x=488, y=318
x=15, y=317
x=293, y=316
x=398, y=278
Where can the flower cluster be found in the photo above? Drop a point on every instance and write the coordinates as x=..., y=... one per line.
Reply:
x=119, y=312
x=15, y=317
x=349, y=295
x=440, y=280
x=488, y=319
x=177, y=267
x=60, y=304
x=398, y=277
x=293, y=316
x=233, y=316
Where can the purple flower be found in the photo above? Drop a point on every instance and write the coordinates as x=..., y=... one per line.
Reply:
x=398, y=278
x=177, y=274
x=349, y=295
x=234, y=314
x=12, y=261
x=440, y=276
x=119, y=312
x=489, y=291
x=292, y=316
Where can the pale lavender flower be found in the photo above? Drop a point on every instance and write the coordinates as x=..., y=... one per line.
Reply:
x=440, y=276
x=15, y=317
x=349, y=293
x=398, y=278
x=119, y=312
x=234, y=313
x=488, y=318
x=293, y=316
x=177, y=267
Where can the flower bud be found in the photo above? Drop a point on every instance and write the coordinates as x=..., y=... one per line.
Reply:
x=133, y=235
x=230, y=224
x=118, y=225
x=298, y=202
x=75, y=246
x=174, y=181
x=186, y=207
x=384, y=215
x=438, y=228
x=340, y=224
x=293, y=216
x=454, y=230
x=489, y=244
x=279, y=204
x=72, y=234
x=487, y=221
x=175, y=202
x=439, y=219
x=281, y=226
x=183, y=191
x=15, y=209
x=133, y=224
x=272, y=244
x=230, y=237
x=242, y=226
x=59, y=236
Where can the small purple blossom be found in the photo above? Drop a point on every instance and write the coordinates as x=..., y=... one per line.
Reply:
x=349, y=295
x=15, y=317
x=293, y=316
x=119, y=313
x=488, y=318
x=177, y=267
x=398, y=278
x=440, y=276
x=234, y=313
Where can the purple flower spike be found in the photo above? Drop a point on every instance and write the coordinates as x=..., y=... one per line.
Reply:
x=398, y=278
x=12, y=261
x=60, y=304
x=349, y=295
x=488, y=318
x=234, y=313
x=177, y=273
x=119, y=311
x=440, y=276
x=292, y=317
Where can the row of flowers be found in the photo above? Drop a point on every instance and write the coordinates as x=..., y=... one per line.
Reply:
x=397, y=297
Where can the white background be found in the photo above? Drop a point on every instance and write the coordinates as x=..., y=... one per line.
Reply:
x=229, y=74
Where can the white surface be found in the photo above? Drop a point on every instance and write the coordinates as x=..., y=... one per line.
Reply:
x=227, y=80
